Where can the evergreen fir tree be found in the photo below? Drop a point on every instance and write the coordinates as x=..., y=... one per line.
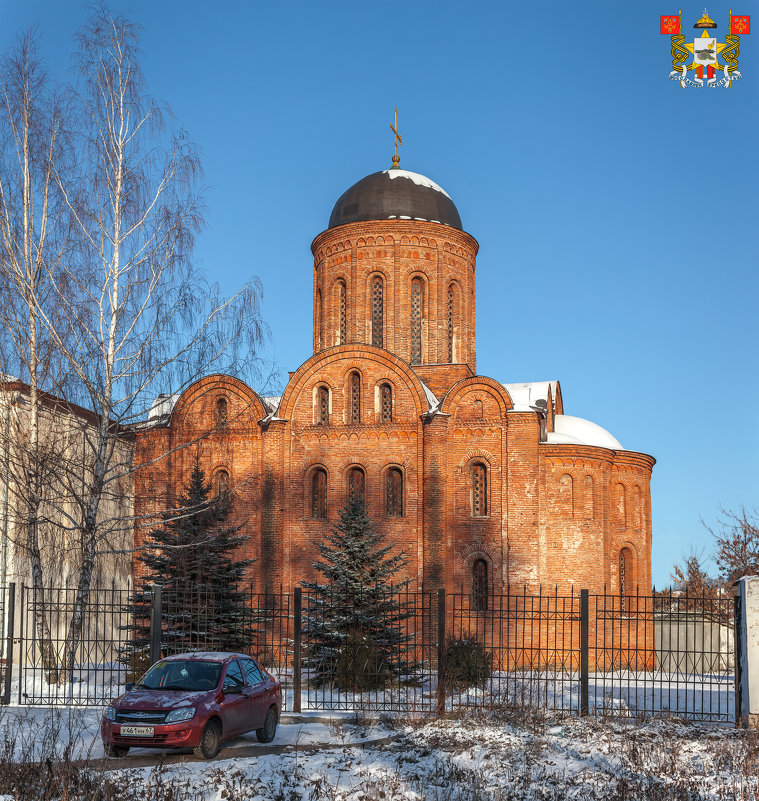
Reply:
x=354, y=622
x=192, y=555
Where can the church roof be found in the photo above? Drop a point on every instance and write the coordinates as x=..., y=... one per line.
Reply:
x=395, y=194
x=524, y=396
x=578, y=431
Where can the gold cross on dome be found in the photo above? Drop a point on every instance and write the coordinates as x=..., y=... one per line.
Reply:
x=398, y=140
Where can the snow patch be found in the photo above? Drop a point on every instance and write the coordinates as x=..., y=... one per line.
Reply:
x=417, y=178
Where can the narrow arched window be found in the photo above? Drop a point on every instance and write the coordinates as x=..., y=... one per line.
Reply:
x=356, y=483
x=416, y=321
x=319, y=494
x=452, y=315
x=318, y=320
x=221, y=412
x=221, y=482
x=342, y=300
x=625, y=575
x=478, y=411
x=480, y=585
x=386, y=403
x=479, y=490
x=394, y=492
x=355, y=398
x=322, y=406
x=377, y=311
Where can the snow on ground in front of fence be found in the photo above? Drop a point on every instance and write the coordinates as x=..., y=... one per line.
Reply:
x=499, y=756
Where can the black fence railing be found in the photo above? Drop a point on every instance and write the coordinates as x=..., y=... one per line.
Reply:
x=390, y=650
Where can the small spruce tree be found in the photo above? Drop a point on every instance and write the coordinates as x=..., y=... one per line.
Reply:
x=192, y=555
x=353, y=623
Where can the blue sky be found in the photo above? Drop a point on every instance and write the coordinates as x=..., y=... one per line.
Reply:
x=616, y=213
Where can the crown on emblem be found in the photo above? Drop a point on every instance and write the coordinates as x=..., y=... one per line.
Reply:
x=705, y=22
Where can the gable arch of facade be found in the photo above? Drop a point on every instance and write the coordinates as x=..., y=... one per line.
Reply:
x=356, y=357
x=461, y=388
x=217, y=384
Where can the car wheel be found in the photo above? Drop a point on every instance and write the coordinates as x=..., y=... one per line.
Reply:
x=210, y=741
x=266, y=733
x=115, y=750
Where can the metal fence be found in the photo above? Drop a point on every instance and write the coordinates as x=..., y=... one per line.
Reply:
x=404, y=651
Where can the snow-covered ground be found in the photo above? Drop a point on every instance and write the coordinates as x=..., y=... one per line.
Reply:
x=495, y=758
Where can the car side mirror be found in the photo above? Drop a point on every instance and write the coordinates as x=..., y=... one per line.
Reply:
x=232, y=689
x=129, y=686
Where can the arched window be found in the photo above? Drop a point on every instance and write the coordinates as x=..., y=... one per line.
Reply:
x=452, y=316
x=342, y=300
x=480, y=585
x=479, y=490
x=318, y=320
x=626, y=577
x=354, y=415
x=377, y=311
x=386, y=403
x=221, y=412
x=416, y=321
x=319, y=494
x=394, y=492
x=356, y=483
x=478, y=411
x=322, y=406
x=221, y=482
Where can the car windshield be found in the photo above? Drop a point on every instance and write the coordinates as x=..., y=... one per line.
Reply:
x=181, y=675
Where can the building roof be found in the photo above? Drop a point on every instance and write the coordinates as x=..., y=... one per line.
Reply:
x=524, y=396
x=395, y=194
x=578, y=431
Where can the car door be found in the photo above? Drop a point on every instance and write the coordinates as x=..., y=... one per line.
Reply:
x=234, y=707
x=258, y=699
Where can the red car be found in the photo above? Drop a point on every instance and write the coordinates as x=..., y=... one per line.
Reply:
x=196, y=701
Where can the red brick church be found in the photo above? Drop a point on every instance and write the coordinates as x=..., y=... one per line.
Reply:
x=482, y=484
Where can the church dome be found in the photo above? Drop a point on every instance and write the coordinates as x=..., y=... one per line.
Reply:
x=395, y=194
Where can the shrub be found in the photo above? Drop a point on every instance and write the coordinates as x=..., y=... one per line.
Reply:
x=467, y=663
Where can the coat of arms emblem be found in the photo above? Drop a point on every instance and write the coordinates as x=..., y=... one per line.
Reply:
x=704, y=54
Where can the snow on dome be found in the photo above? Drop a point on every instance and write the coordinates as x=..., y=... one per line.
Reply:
x=417, y=178
x=581, y=432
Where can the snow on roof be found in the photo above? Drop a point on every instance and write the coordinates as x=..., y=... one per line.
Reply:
x=271, y=402
x=419, y=180
x=432, y=401
x=525, y=395
x=162, y=407
x=578, y=431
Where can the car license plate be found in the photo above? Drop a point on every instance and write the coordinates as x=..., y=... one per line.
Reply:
x=137, y=731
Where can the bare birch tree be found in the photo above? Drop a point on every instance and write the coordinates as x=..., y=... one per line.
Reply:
x=32, y=244
x=122, y=312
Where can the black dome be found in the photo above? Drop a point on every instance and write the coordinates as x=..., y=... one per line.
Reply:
x=395, y=194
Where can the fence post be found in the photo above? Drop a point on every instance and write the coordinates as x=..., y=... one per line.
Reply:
x=11, y=623
x=156, y=607
x=584, y=626
x=748, y=591
x=297, y=600
x=441, y=650
x=738, y=656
